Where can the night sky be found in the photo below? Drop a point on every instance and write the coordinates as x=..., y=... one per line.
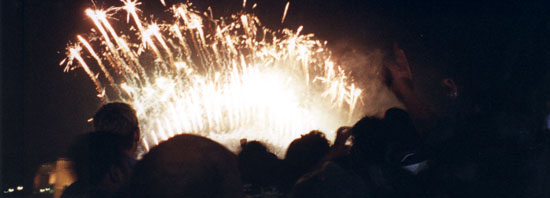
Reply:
x=498, y=52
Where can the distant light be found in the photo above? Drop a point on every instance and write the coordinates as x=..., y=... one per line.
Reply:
x=19, y=188
x=10, y=190
x=6, y=192
x=47, y=189
x=42, y=190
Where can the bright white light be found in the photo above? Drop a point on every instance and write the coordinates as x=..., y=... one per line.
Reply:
x=10, y=190
x=226, y=79
x=19, y=188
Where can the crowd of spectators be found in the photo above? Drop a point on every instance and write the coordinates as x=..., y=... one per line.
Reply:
x=406, y=153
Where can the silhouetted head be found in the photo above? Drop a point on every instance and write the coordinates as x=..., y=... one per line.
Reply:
x=369, y=140
x=119, y=118
x=379, y=140
x=187, y=166
x=305, y=152
x=99, y=160
x=253, y=147
x=257, y=165
x=402, y=135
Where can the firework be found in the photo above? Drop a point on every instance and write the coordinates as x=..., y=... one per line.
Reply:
x=225, y=78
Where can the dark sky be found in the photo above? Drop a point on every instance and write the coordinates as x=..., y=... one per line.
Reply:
x=497, y=51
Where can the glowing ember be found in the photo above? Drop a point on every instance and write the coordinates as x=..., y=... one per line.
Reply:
x=226, y=78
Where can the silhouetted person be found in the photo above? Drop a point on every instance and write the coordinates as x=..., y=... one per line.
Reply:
x=400, y=80
x=402, y=139
x=100, y=166
x=332, y=176
x=260, y=169
x=452, y=142
x=120, y=118
x=385, y=155
x=369, y=141
x=303, y=154
x=187, y=166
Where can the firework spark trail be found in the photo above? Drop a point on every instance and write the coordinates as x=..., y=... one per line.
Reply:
x=227, y=79
x=284, y=13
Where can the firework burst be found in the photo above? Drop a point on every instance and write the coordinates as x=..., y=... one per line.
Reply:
x=226, y=78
